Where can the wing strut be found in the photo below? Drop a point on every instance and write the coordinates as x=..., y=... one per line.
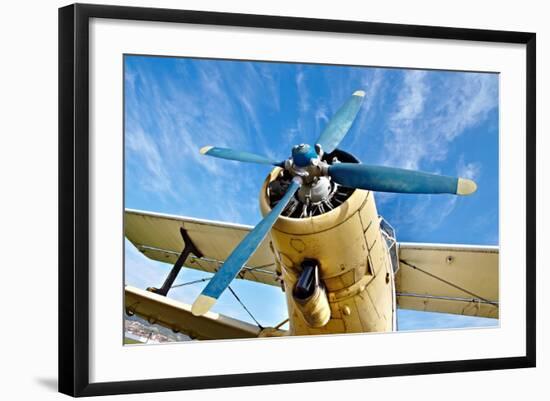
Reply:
x=189, y=248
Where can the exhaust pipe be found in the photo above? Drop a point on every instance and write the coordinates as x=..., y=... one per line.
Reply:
x=310, y=296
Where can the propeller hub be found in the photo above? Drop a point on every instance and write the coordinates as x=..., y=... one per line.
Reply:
x=303, y=155
x=318, y=193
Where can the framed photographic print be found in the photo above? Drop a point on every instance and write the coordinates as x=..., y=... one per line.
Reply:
x=279, y=199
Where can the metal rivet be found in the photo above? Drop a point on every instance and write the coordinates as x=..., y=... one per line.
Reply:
x=347, y=310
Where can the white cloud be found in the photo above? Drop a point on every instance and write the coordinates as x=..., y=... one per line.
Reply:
x=420, y=136
x=439, y=213
x=170, y=117
x=321, y=117
x=417, y=135
x=141, y=271
x=411, y=100
x=301, y=88
x=470, y=170
x=372, y=86
x=153, y=175
x=295, y=133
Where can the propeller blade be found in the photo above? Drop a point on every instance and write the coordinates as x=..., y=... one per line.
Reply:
x=240, y=255
x=390, y=179
x=230, y=154
x=340, y=124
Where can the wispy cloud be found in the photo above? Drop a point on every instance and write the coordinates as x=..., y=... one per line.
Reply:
x=431, y=111
x=406, y=144
x=153, y=176
x=373, y=85
x=171, y=116
x=431, y=210
x=142, y=272
x=295, y=132
x=411, y=100
x=471, y=170
x=321, y=117
x=417, y=136
x=302, y=90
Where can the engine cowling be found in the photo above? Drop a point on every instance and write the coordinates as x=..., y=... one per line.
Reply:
x=353, y=265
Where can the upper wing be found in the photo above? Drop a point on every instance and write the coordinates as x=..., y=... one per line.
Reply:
x=158, y=237
x=177, y=316
x=457, y=279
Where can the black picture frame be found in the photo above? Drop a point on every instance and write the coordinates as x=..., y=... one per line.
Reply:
x=74, y=198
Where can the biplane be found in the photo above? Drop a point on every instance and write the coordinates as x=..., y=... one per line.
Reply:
x=322, y=242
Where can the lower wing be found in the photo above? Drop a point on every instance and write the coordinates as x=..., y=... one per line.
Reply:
x=159, y=237
x=175, y=315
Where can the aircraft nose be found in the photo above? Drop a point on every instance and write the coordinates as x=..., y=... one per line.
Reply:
x=302, y=154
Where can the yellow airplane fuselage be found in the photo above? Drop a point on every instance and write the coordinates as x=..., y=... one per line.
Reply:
x=357, y=291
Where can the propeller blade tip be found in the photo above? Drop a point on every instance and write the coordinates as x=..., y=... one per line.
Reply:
x=202, y=305
x=359, y=93
x=204, y=150
x=465, y=186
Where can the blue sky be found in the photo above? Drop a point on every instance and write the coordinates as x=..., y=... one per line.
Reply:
x=435, y=121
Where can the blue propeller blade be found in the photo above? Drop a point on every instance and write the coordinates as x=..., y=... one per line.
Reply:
x=237, y=155
x=340, y=124
x=240, y=255
x=390, y=179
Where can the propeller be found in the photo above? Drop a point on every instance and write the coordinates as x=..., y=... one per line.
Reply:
x=237, y=155
x=340, y=124
x=308, y=170
x=241, y=254
x=391, y=179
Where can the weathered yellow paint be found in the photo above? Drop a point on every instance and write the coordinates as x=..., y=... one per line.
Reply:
x=158, y=237
x=202, y=305
x=316, y=309
x=345, y=241
x=458, y=269
x=205, y=149
x=465, y=186
x=355, y=269
x=178, y=317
